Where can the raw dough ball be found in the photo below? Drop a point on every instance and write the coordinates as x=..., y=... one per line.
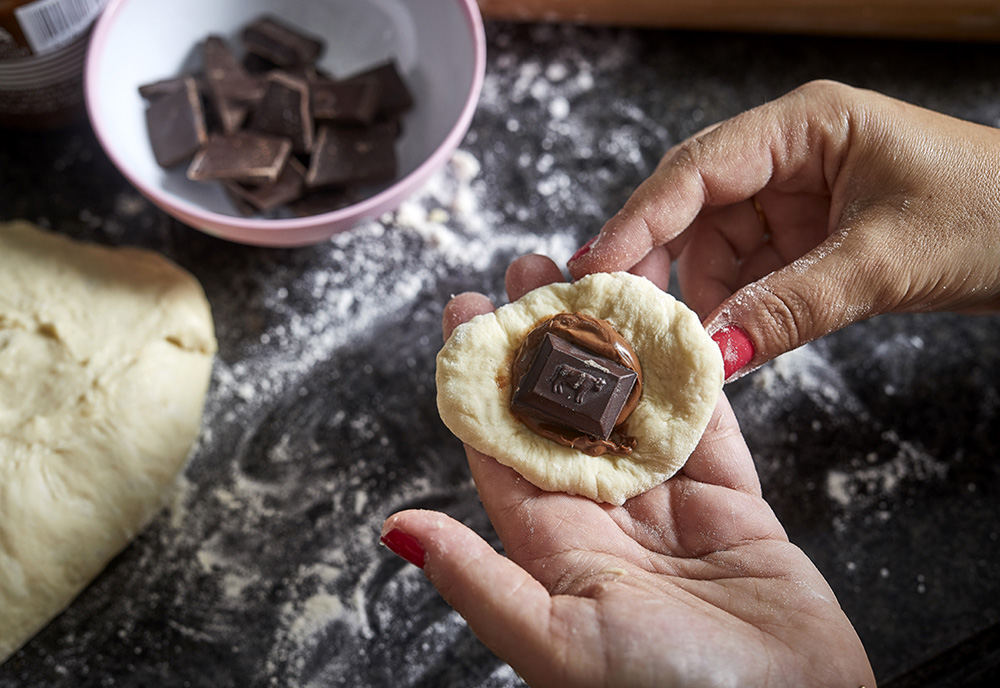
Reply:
x=683, y=374
x=105, y=358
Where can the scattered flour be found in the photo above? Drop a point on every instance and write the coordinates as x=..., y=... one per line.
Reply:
x=868, y=486
x=862, y=489
x=809, y=373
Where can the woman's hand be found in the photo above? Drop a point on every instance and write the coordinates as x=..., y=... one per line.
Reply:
x=824, y=207
x=693, y=583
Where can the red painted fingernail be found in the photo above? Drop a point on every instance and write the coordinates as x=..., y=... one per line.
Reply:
x=405, y=546
x=736, y=346
x=583, y=250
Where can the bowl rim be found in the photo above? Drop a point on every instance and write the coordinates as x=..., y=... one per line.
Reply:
x=209, y=221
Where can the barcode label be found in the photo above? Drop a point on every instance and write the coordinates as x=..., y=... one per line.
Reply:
x=49, y=24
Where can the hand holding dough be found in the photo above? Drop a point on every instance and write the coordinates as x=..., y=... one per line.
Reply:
x=683, y=372
x=105, y=358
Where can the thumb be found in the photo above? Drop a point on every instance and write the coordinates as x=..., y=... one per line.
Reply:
x=841, y=281
x=504, y=606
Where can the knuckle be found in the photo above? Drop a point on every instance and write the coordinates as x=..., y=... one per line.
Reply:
x=687, y=153
x=791, y=319
x=688, y=159
x=822, y=87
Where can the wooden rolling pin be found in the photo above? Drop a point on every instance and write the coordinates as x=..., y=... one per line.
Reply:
x=938, y=19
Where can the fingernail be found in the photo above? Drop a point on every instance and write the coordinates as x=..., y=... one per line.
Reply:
x=736, y=346
x=583, y=250
x=405, y=546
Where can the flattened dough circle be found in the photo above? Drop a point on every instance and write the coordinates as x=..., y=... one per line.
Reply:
x=682, y=367
x=105, y=358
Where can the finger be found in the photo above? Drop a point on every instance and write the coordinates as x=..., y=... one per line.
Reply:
x=849, y=277
x=655, y=267
x=503, y=605
x=551, y=533
x=735, y=245
x=790, y=141
x=699, y=504
x=722, y=456
x=530, y=272
x=710, y=266
x=463, y=308
x=530, y=521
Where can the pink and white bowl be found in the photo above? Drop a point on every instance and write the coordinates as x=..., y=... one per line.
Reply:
x=438, y=45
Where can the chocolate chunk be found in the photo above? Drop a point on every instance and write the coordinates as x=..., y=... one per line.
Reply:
x=224, y=72
x=243, y=207
x=353, y=102
x=394, y=96
x=264, y=197
x=244, y=120
x=231, y=88
x=274, y=40
x=574, y=388
x=257, y=65
x=325, y=200
x=352, y=156
x=163, y=87
x=284, y=111
x=176, y=124
x=229, y=114
x=244, y=156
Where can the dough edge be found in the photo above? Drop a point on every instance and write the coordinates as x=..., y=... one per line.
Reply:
x=43, y=568
x=682, y=367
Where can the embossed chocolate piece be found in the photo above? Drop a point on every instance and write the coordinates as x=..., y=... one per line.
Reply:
x=573, y=388
x=176, y=124
x=576, y=381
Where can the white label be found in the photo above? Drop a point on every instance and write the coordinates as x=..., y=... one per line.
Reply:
x=49, y=24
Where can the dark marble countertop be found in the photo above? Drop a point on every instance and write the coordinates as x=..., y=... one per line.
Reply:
x=877, y=446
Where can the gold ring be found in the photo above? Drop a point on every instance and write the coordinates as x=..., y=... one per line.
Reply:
x=763, y=218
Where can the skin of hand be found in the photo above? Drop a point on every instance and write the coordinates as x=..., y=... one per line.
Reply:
x=821, y=208
x=693, y=583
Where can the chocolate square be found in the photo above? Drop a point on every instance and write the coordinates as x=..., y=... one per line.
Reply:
x=164, y=87
x=284, y=111
x=349, y=155
x=225, y=73
x=272, y=39
x=353, y=102
x=176, y=124
x=231, y=88
x=243, y=207
x=325, y=200
x=264, y=197
x=244, y=156
x=573, y=388
x=394, y=95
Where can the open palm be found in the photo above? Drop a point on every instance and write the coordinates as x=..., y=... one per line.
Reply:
x=693, y=583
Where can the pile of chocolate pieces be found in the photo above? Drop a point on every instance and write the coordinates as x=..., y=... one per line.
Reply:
x=284, y=138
